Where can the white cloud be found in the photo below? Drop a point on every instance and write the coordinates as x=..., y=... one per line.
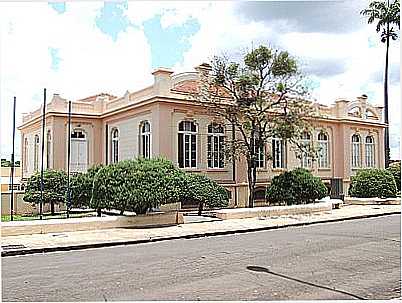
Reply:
x=358, y=64
x=91, y=61
x=221, y=31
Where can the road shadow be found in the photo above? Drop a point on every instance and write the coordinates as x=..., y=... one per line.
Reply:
x=266, y=270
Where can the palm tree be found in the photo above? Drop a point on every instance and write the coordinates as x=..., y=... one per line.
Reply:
x=387, y=17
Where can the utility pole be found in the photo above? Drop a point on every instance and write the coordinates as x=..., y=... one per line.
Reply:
x=43, y=150
x=68, y=160
x=12, y=166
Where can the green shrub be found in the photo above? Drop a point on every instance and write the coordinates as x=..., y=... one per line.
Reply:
x=54, y=191
x=370, y=183
x=204, y=191
x=137, y=185
x=395, y=170
x=81, y=187
x=103, y=189
x=297, y=186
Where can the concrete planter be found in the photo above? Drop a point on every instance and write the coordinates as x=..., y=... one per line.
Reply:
x=242, y=213
x=372, y=201
x=80, y=224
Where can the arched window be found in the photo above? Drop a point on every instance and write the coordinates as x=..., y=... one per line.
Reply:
x=79, y=151
x=356, y=159
x=115, y=145
x=145, y=136
x=25, y=164
x=36, y=152
x=187, y=149
x=48, y=149
x=370, y=151
x=278, y=152
x=306, y=144
x=216, y=139
x=323, y=152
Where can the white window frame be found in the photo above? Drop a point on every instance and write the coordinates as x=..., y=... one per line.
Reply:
x=36, y=152
x=215, y=146
x=25, y=164
x=48, y=148
x=188, y=136
x=370, y=152
x=356, y=151
x=260, y=161
x=278, y=153
x=114, y=150
x=305, y=160
x=145, y=137
x=323, y=152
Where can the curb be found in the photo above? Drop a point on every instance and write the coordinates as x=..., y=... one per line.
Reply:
x=29, y=251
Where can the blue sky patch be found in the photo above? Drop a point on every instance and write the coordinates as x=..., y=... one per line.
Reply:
x=54, y=54
x=59, y=7
x=312, y=82
x=169, y=44
x=372, y=42
x=111, y=19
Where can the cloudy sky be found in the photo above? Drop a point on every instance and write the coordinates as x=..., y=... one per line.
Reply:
x=83, y=48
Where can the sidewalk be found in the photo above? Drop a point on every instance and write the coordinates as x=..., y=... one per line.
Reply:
x=39, y=243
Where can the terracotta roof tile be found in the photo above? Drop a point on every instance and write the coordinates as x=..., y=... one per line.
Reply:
x=187, y=86
x=191, y=86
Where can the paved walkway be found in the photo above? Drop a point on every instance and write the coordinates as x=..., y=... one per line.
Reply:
x=25, y=244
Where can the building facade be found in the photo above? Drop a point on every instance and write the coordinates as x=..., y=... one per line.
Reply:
x=161, y=120
x=6, y=178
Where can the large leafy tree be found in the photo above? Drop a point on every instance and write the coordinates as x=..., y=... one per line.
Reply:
x=55, y=186
x=262, y=96
x=386, y=15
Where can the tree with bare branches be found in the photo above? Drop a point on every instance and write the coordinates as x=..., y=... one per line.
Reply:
x=262, y=96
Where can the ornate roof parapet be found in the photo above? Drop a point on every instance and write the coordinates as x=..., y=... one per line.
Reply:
x=357, y=109
x=162, y=81
x=181, y=85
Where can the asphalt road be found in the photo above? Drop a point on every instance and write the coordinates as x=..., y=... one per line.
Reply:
x=345, y=260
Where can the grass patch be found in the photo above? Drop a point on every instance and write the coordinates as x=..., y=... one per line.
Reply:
x=47, y=216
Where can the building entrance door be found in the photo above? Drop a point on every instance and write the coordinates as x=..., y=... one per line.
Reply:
x=79, y=151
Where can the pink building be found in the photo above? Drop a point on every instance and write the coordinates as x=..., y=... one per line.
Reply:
x=161, y=120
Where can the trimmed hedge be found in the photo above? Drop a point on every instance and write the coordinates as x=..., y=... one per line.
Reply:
x=81, y=185
x=55, y=187
x=297, y=186
x=395, y=170
x=137, y=185
x=204, y=191
x=371, y=183
x=140, y=184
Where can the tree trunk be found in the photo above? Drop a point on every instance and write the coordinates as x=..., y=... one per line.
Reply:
x=251, y=182
x=200, y=208
x=99, y=212
x=386, y=134
x=52, y=208
x=121, y=212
